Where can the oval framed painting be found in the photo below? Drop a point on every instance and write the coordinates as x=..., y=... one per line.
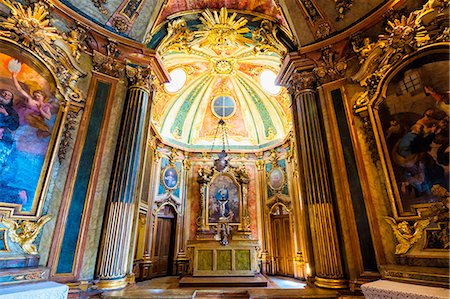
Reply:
x=276, y=178
x=170, y=177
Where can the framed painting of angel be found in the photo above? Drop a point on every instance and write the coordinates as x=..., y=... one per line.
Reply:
x=28, y=115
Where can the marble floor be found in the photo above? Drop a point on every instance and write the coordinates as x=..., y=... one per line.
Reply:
x=167, y=287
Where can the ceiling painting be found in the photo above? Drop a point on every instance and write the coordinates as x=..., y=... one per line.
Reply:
x=223, y=64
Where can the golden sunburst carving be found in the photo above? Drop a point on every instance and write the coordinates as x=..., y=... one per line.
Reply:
x=31, y=25
x=222, y=32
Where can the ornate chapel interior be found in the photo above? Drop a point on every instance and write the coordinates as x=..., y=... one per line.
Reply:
x=224, y=143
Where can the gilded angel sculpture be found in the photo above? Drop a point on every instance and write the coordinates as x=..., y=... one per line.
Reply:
x=25, y=232
x=405, y=236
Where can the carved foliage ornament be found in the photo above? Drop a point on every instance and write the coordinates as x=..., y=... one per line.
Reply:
x=403, y=36
x=329, y=67
x=140, y=77
x=300, y=82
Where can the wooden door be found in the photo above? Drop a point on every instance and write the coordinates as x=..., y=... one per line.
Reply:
x=282, y=245
x=164, y=245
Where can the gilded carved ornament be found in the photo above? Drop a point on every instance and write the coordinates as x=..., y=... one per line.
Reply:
x=109, y=64
x=140, y=77
x=76, y=39
x=30, y=27
x=437, y=213
x=222, y=32
x=403, y=36
x=178, y=37
x=301, y=81
x=330, y=68
x=66, y=138
x=342, y=7
x=24, y=232
x=266, y=39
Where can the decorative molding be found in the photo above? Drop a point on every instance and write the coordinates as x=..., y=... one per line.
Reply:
x=140, y=77
x=320, y=27
x=24, y=232
x=342, y=7
x=330, y=67
x=109, y=64
x=30, y=27
x=69, y=127
x=402, y=37
x=266, y=39
x=301, y=81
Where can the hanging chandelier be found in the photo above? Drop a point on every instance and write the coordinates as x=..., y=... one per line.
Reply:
x=222, y=161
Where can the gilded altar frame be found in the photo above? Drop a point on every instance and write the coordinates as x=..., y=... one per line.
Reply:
x=371, y=112
x=25, y=56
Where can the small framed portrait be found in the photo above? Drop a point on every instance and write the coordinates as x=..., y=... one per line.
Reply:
x=170, y=177
x=276, y=178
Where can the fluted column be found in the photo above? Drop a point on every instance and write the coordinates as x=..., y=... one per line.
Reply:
x=317, y=191
x=117, y=231
x=266, y=260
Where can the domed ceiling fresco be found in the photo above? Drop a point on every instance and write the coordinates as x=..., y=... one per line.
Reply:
x=223, y=68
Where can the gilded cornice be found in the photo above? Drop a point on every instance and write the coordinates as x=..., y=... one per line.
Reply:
x=129, y=49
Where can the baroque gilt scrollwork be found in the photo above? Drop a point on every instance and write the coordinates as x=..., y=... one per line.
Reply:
x=222, y=32
x=69, y=127
x=330, y=67
x=30, y=27
x=178, y=37
x=266, y=39
x=109, y=64
x=433, y=221
x=24, y=232
x=403, y=36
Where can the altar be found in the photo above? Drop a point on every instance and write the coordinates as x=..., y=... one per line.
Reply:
x=212, y=259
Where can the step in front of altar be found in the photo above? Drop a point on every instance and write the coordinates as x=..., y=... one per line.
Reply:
x=223, y=281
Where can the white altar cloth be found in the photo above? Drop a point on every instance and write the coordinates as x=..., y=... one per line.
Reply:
x=36, y=290
x=386, y=289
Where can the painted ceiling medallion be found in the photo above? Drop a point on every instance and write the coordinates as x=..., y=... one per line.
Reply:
x=221, y=32
x=223, y=66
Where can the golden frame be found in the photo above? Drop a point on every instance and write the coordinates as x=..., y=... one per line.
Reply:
x=283, y=178
x=374, y=117
x=163, y=177
x=15, y=50
x=239, y=194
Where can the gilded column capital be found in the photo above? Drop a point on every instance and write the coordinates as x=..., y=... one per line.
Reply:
x=260, y=164
x=300, y=82
x=140, y=77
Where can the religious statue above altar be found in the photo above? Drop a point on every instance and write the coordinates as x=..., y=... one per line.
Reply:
x=223, y=245
x=223, y=201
